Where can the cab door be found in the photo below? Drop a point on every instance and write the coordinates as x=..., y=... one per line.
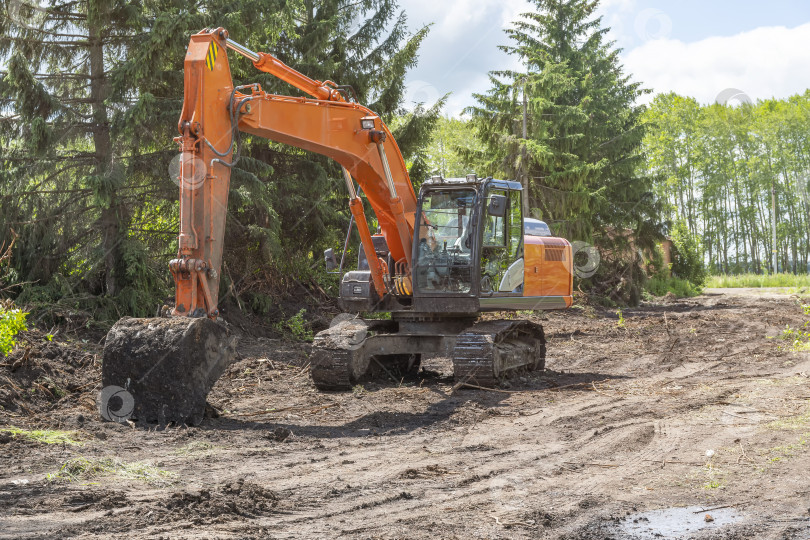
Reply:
x=502, y=242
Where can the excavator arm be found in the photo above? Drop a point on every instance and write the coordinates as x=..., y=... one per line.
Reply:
x=352, y=135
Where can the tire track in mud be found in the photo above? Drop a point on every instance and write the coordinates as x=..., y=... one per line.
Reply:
x=416, y=462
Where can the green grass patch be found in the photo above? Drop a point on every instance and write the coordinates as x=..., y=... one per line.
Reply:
x=801, y=421
x=660, y=286
x=780, y=453
x=84, y=468
x=45, y=436
x=756, y=281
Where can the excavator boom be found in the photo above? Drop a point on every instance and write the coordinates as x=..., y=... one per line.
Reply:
x=213, y=112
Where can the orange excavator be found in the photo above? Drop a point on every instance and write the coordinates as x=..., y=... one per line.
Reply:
x=439, y=259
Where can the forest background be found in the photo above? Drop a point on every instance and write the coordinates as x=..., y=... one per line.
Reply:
x=90, y=93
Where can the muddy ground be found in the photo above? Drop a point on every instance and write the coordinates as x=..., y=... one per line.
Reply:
x=641, y=427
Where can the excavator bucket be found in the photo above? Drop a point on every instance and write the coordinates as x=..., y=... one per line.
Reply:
x=163, y=368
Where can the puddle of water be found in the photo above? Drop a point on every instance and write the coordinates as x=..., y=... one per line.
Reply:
x=676, y=522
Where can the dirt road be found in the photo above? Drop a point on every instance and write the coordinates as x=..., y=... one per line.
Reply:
x=682, y=420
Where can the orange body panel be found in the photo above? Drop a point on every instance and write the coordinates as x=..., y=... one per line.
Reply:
x=548, y=267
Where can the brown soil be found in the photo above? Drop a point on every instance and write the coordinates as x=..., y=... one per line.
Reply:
x=693, y=403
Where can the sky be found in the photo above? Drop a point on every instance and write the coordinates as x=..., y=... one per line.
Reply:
x=712, y=50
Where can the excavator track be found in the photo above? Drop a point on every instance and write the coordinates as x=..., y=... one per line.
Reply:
x=330, y=368
x=338, y=361
x=492, y=350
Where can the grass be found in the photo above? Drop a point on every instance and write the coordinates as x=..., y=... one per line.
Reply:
x=799, y=338
x=45, y=436
x=659, y=286
x=84, y=468
x=801, y=421
x=715, y=478
x=194, y=448
x=781, y=453
x=759, y=281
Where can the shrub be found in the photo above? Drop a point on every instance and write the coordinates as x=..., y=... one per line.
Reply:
x=687, y=255
x=661, y=285
x=12, y=321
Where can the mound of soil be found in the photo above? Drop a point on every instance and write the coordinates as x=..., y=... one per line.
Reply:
x=223, y=503
x=45, y=375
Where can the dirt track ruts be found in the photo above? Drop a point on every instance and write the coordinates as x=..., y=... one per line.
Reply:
x=694, y=403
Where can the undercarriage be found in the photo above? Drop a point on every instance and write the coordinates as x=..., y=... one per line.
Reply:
x=483, y=353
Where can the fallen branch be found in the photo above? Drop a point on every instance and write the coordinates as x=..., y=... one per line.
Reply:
x=476, y=387
x=606, y=465
x=288, y=409
x=719, y=507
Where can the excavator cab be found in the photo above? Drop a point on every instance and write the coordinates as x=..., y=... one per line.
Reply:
x=470, y=237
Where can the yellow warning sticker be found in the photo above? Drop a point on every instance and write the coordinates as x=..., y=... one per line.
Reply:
x=211, y=57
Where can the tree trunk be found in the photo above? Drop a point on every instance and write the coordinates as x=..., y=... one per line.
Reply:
x=109, y=222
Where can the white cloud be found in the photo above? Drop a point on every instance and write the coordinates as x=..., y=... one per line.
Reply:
x=461, y=48
x=765, y=62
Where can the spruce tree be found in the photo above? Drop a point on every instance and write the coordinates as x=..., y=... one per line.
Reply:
x=90, y=93
x=582, y=153
x=303, y=207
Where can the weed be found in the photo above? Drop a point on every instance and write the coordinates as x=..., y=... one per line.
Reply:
x=83, y=468
x=660, y=286
x=801, y=421
x=297, y=326
x=620, y=323
x=45, y=436
x=714, y=477
x=799, y=339
x=194, y=447
x=12, y=322
x=779, y=453
x=376, y=315
x=359, y=391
